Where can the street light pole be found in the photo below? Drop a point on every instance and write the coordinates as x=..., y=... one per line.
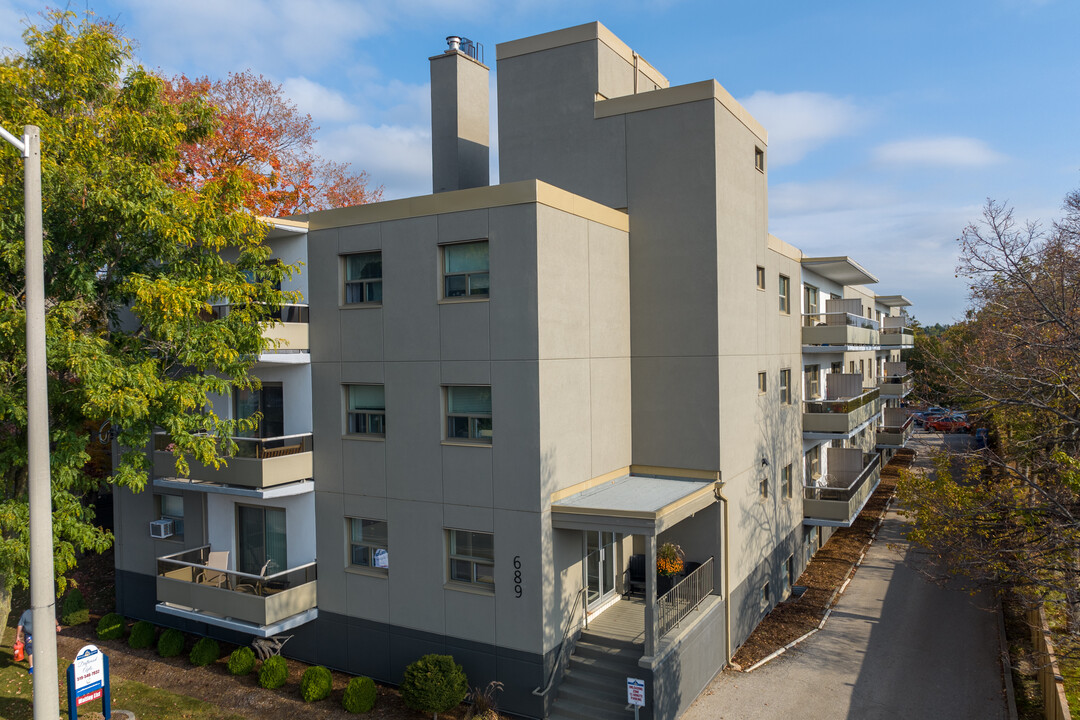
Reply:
x=42, y=577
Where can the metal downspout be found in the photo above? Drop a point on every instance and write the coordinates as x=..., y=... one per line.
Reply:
x=727, y=574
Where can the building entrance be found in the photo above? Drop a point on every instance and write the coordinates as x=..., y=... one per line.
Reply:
x=600, y=563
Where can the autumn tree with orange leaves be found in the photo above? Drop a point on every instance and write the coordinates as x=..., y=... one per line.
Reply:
x=263, y=135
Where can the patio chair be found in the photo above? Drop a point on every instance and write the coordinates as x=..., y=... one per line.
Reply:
x=257, y=588
x=217, y=564
x=635, y=576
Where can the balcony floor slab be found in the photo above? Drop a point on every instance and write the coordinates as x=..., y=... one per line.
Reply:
x=263, y=631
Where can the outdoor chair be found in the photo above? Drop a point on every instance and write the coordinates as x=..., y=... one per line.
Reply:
x=635, y=575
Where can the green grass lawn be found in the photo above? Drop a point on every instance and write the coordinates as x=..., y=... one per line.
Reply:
x=17, y=691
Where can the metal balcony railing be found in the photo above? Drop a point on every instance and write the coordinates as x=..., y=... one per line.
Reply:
x=842, y=487
x=289, y=313
x=838, y=319
x=684, y=598
x=254, y=448
x=190, y=566
x=842, y=405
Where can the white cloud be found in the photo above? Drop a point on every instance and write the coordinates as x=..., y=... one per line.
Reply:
x=938, y=152
x=321, y=102
x=395, y=156
x=800, y=122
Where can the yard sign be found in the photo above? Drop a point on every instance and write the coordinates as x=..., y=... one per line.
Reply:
x=88, y=680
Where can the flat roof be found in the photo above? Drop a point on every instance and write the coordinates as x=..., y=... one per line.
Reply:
x=634, y=503
x=841, y=269
x=892, y=300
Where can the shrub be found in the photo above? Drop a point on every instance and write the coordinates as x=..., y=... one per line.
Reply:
x=435, y=684
x=484, y=705
x=74, y=611
x=204, y=652
x=360, y=695
x=142, y=635
x=170, y=643
x=273, y=673
x=316, y=683
x=242, y=661
x=111, y=627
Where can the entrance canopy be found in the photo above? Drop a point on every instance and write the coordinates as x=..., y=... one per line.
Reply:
x=634, y=505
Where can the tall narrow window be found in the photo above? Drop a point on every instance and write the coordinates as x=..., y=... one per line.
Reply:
x=472, y=557
x=759, y=159
x=363, y=278
x=760, y=278
x=762, y=383
x=785, y=294
x=810, y=301
x=763, y=484
x=786, y=481
x=368, y=544
x=813, y=382
x=468, y=413
x=465, y=270
x=812, y=461
x=789, y=573
x=260, y=540
x=366, y=410
x=785, y=387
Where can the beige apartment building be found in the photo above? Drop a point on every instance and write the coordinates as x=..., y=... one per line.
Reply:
x=500, y=402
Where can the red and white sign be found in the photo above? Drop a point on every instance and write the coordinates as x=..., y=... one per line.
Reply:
x=89, y=674
x=635, y=692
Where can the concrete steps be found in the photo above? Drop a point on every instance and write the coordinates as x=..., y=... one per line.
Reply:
x=594, y=687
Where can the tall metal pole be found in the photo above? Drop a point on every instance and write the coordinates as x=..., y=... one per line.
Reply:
x=42, y=577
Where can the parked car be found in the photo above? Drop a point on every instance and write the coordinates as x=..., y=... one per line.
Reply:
x=923, y=416
x=949, y=423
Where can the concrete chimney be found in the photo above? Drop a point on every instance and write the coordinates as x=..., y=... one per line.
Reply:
x=459, y=118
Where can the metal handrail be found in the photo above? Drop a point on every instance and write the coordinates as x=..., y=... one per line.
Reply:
x=249, y=447
x=564, y=656
x=171, y=560
x=683, y=599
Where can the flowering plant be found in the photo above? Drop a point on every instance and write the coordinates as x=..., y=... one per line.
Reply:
x=669, y=559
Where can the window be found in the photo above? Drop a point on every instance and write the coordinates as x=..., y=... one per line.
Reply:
x=810, y=302
x=472, y=558
x=785, y=387
x=760, y=278
x=812, y=461
x=465, y=270
x=367, y=544
x=851, y=367
x=813, y=381
x=785, y=481
x=762, y=383
x=267, y=400
x=171, y=507
x=766, y=596
x=366, y=410
x=789, y=573
x=862, y=368
x=468, y=413
x=785, y=294
x=763, y=486
x=363, y=278
x=837, y=367
x=759, y=159
x=260, y=534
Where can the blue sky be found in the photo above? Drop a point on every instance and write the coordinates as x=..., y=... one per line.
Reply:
x=889, y=123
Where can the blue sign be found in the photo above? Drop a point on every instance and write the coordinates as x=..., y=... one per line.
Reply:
x=88, y=680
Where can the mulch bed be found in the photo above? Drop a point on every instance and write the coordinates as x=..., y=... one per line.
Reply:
x=826, y=572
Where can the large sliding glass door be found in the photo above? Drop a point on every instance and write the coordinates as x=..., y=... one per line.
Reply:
x=600, y=565
x=261, y=539
x=268, y=400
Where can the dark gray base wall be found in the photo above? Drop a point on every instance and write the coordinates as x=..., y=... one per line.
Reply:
x=747, y=608
x=680, y=676
x=362, y=647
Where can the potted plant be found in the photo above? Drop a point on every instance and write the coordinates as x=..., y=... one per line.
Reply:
x=669, y=563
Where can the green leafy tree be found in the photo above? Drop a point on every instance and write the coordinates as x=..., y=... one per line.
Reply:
x=132, y=262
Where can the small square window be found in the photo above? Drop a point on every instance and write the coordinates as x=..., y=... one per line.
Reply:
x=465, y=270
x=786, y=481
x=365, y=410
x=468, y=413
x=762, y=383
x=171, y=507
x=363, y=278
x=368, y=544
x=471, y=558
x=760, y=278
x=785, y=294
x=785, y=386
x=759, y=159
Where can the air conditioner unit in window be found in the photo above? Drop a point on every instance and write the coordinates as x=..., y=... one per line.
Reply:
x=161, y=528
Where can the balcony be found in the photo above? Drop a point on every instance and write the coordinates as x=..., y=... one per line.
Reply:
x=897, y=386
x=836, y=498
x=838, y=331
x=840, y=417
x=895, y=429
x=261, y=605
x=896, y=335
x=258, y=463
x=288, y=327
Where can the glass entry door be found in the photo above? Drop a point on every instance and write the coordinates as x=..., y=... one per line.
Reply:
x=599, y=566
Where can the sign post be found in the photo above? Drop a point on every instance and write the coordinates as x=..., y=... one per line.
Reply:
x=88, y=680
x=635, y=694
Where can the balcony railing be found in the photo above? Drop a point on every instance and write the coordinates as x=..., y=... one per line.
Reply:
x=185, y=580
x=841, y=415
x=684, y=598
x=288, y=325
x=898, y=337
x=839, y=328
x=897, y=385
x=257, y=463
x=836, y=498
x=892, y=434
x=288, y=313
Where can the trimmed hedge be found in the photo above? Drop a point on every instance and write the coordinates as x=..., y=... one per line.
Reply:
x=434, y=684
x=143, y=635
x=242, y=661
x=204, y=652
x=273, y=673
x=111, y=627
x=316, y=683
x=74, y=610
x=360, y=695
x=170, y=643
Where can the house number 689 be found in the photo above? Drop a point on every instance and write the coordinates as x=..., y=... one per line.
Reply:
x=517, y=576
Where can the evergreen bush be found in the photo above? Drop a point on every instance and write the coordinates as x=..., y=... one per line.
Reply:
x=273, y=673
x=204, y=652
x=242, y=661
x=434, y=684
x=170, y=643
x=142, y=635
x=111, y=627
x=74, y=610
x=360, y=695
x=316, y=683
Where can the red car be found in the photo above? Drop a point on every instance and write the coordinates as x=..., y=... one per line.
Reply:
x=949, y=423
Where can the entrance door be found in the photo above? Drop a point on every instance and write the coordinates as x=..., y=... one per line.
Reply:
x=599, y=566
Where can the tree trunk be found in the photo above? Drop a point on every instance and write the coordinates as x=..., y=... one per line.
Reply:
x=5, y=606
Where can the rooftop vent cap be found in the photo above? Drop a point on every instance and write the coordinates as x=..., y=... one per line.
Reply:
x=453, y=43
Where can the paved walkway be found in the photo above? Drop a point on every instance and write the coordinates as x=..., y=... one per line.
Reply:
x=896, y=646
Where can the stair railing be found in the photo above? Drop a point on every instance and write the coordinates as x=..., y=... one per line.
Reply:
x=567, y=647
